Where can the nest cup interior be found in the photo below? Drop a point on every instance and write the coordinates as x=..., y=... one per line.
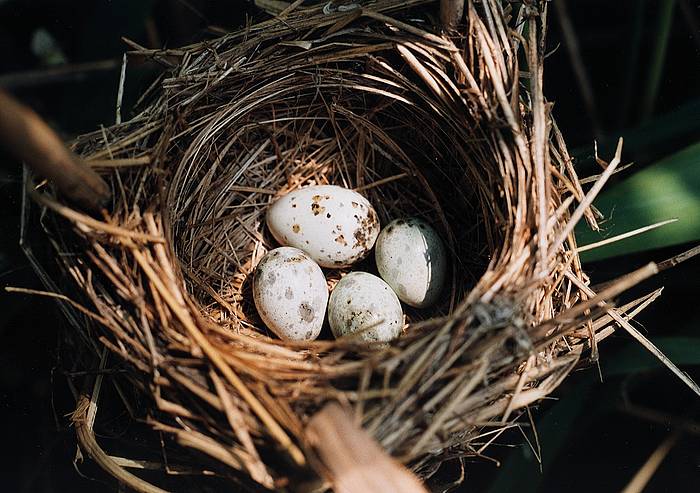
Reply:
x=340, y=125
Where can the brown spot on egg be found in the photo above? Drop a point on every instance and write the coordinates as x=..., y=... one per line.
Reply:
x=360, y=238
x=372, y=217
x=355, y=204
x=316, y=207
x=306, y=312
x=341, y=239
x=288, y=293
x=296, y=228
x=364, y=233
x=328, y=215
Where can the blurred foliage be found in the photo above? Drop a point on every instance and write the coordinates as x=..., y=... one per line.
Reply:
x=648, y=140
x=667, y=189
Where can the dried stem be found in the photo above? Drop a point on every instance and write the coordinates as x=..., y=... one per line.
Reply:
x=31, y=140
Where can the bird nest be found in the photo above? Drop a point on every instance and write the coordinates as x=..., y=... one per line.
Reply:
x=450, y=128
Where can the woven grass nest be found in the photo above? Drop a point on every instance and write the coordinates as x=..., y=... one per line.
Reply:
x=453, y=128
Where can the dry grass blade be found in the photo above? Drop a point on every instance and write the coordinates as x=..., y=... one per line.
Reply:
x=685, y=378
x=646, y=472
x=118, y=163
x=623, y=236
x=592, y=194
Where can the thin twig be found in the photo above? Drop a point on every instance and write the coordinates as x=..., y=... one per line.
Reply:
x=120, y=90
x=54, y=75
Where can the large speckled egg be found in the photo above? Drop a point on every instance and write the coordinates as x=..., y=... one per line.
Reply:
x=363, y=304
x=411, y=258
x=291, y=294
x=335, y=226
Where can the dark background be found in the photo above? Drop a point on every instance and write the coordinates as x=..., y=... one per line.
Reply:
x=593, y=439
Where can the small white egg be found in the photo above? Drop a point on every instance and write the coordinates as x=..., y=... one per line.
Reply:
x=411, y=258
x=336, y=226
x=291, y=294
x=363, y=304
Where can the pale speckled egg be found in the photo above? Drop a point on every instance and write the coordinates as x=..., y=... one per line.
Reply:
x=411, y=258
x=291, y=294
x=335, y=226
x=363, y=304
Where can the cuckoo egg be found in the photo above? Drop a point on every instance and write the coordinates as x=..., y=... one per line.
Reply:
x=363, y=304
x=290, y=293
x=411, y=258
x=335, y=226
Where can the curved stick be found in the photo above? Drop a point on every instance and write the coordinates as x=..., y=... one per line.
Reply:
x=355, y=463
x=88, y=444
x=30, y=139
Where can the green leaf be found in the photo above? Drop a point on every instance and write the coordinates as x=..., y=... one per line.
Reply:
x=683, y=351
x=670, y=188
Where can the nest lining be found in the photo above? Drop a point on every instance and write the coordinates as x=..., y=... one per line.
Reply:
x=423, y=125
x=329, y=126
